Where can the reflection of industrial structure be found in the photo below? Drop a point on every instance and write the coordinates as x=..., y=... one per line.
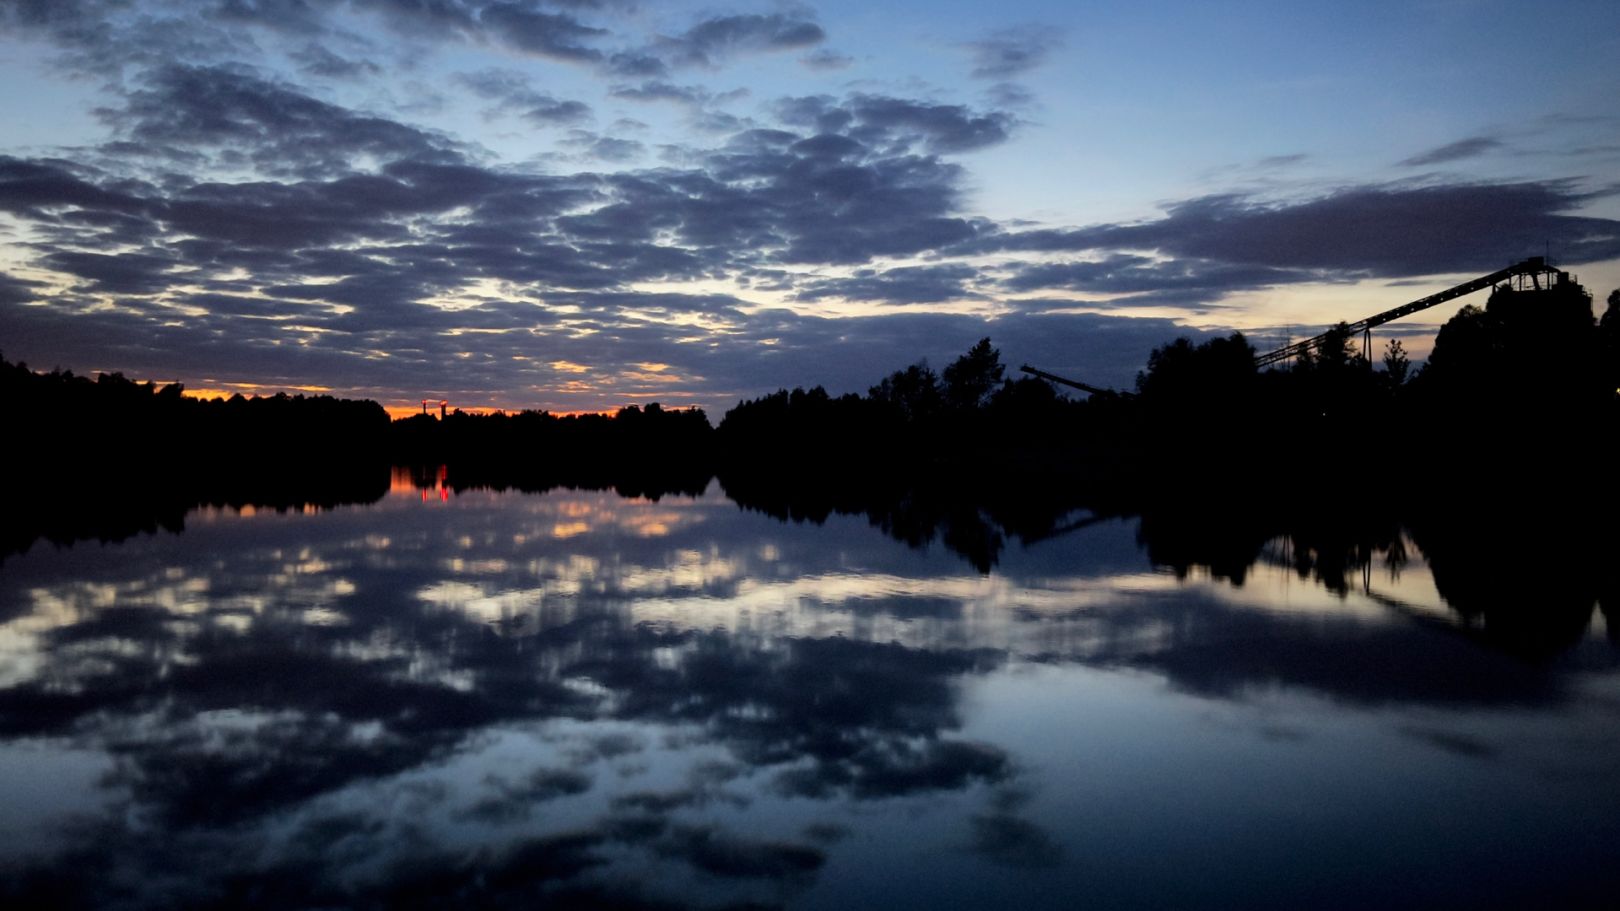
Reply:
x=443, y=405
x=430, y=483
x=1533, y=273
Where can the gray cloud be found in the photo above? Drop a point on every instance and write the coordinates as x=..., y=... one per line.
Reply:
x=1382, y=230
x=827, y=59
x=904, y=285
x=886, y=121
x=98, y=35
x=514, y=94
x=1454, y=151
x=543, y=34
x=636, y=65
x=1184, y=282
x=1012, y=51
x=317, y=60
x=14, y=290
x=242, y=118
x=124, y=273
x=718, y=38
x=604, y=148
x=95, y=38
x=655, y=90
x=1009, y=96
x=1272, y=162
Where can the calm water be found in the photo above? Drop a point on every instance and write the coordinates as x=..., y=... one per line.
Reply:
x=489, y=698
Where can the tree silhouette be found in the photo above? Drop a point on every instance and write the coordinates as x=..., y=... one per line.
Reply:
x=1524, y=345
x=1214, y=380
x=913, y=394
x=1396, y=364
x=972, y=378
x=1609, y=341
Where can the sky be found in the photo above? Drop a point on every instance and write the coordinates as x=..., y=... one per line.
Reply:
x=575, y=205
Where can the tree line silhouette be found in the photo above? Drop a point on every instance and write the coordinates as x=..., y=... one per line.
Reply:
x=112, y=422
x=1528, y=359
x=109, y=458
x=969, y=455
x=644, y=448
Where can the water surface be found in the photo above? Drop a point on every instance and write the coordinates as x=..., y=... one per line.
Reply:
x=497, y=698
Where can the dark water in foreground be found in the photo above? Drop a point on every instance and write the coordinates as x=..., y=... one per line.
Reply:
x=573, y=698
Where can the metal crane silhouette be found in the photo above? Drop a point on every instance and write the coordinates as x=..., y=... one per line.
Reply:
x=1533, y=268
x=1533, y=272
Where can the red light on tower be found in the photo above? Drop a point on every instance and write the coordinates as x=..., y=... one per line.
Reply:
x=442, y=406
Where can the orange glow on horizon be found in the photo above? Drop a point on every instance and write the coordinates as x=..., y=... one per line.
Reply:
x=397, y=412
x=217, y=391
x=226, y=390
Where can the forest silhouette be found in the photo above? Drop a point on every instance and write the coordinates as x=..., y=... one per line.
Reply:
x=1529, y=360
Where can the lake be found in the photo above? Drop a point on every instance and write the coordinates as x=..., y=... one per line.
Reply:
x=484, y=698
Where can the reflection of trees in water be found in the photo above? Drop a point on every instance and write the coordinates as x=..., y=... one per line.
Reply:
x=116, y=504
x=120, y=505
x=1492, y=567
x=972, y=518
x=1528, y=581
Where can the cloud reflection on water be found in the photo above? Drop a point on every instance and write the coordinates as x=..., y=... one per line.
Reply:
x=406, y=704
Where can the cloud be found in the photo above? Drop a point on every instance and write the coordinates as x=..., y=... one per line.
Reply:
x=98, y=37
x=717, y=854
x=904, y=285
x=317, y=60
x=297, y=16
x=242, y=118
x=636, y=64
x=1276, y=162
x=39, y=189
x=655, y=90
x=125, y=273
x=827, y=59
x=1009, y=95
x=897, y=123
x=1454, y=151
x=1186, y=282
x=1379, y=230
x=514, y=94
x=102, y=35
x=718, y=38
x=513, y=801
x=14, y=290
x=553, y=35
x=603, y=148
x=1011, y=52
